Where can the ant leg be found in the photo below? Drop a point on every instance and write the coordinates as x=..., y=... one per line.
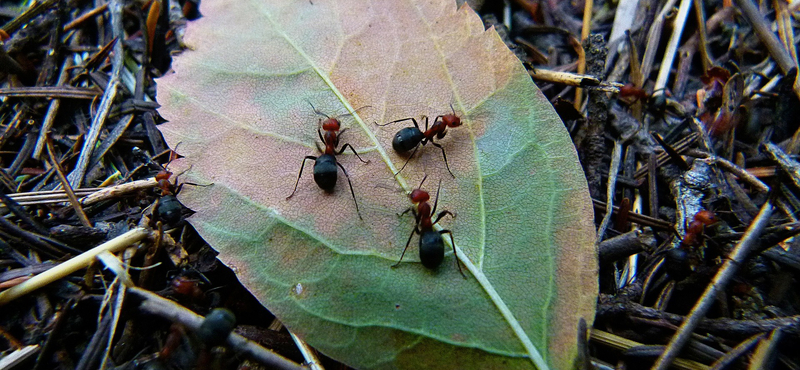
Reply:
x=407, y=243
x=445, y=158
x=407, y=160
x=300, y=174
x=436, y=200
x=177, y=187
x=353, y=150
x=351, y=189
x=458, y=263
x=406, y=211
x=316, y=144
x=412, y=119
x=194, y=184
x=442, y=214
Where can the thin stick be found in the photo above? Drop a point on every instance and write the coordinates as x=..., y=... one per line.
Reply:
x=703, y=32
x=76, y=176
x=76, y=263
x=587, y=26
x=153, y=304
x=764, y=32
x=43, y=197
x=654, y=37
x=741, y=173
x=672, y=46
x=575, y=79
x=119, y=190
x=85, y=16
x=623, y=344
x=68, y=189
x=308, y=353
x=52, y=109
x=616, y=160
x=724, y=275
x=51, y=92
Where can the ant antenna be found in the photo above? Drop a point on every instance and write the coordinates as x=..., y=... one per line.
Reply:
x=317, y=111
x=452, y=109
x=354, y=111
x=436, y=201
x=423, y=180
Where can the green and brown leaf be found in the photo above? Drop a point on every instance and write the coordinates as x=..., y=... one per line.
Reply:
x=238, y=105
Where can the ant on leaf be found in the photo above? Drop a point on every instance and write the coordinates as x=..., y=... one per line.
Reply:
x=410, y=138
x=325, y=171
x=431, y=245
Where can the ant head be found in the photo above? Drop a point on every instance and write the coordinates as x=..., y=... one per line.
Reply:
x=330, y=124
x=706, y=217
x=451, y=120
x=163, y=175
x=419, y=196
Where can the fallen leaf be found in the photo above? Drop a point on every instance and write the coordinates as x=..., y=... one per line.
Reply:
x=238, y=105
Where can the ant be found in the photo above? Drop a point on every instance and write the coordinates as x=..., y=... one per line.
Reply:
x=325, y=172
x=631, y=91
x=655, y=102
x=168, y=208
x=701, y=220
x=431, y=245
x=678, y=261
x=411, y=137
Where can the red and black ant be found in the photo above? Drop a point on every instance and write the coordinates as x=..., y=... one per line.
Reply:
x=411, y=137
x=168, y=208
x=325, y=172
x=631, y=91
x=701, y=220
x=655, y=102
x=431, y=245
x=678, y=262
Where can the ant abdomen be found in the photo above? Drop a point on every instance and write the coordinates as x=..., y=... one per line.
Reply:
x=407, y=139
x=431, y=249
x=168, y=210
x=325, y=172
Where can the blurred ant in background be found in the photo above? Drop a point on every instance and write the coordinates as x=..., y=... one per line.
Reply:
x=167, y=209
x=677, y=259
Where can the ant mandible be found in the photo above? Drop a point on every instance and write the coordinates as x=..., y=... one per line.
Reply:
x=411, y=137
x=431, y=245
x=325, y=172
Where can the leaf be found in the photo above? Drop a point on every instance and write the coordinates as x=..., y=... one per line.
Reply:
x=238, y=105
